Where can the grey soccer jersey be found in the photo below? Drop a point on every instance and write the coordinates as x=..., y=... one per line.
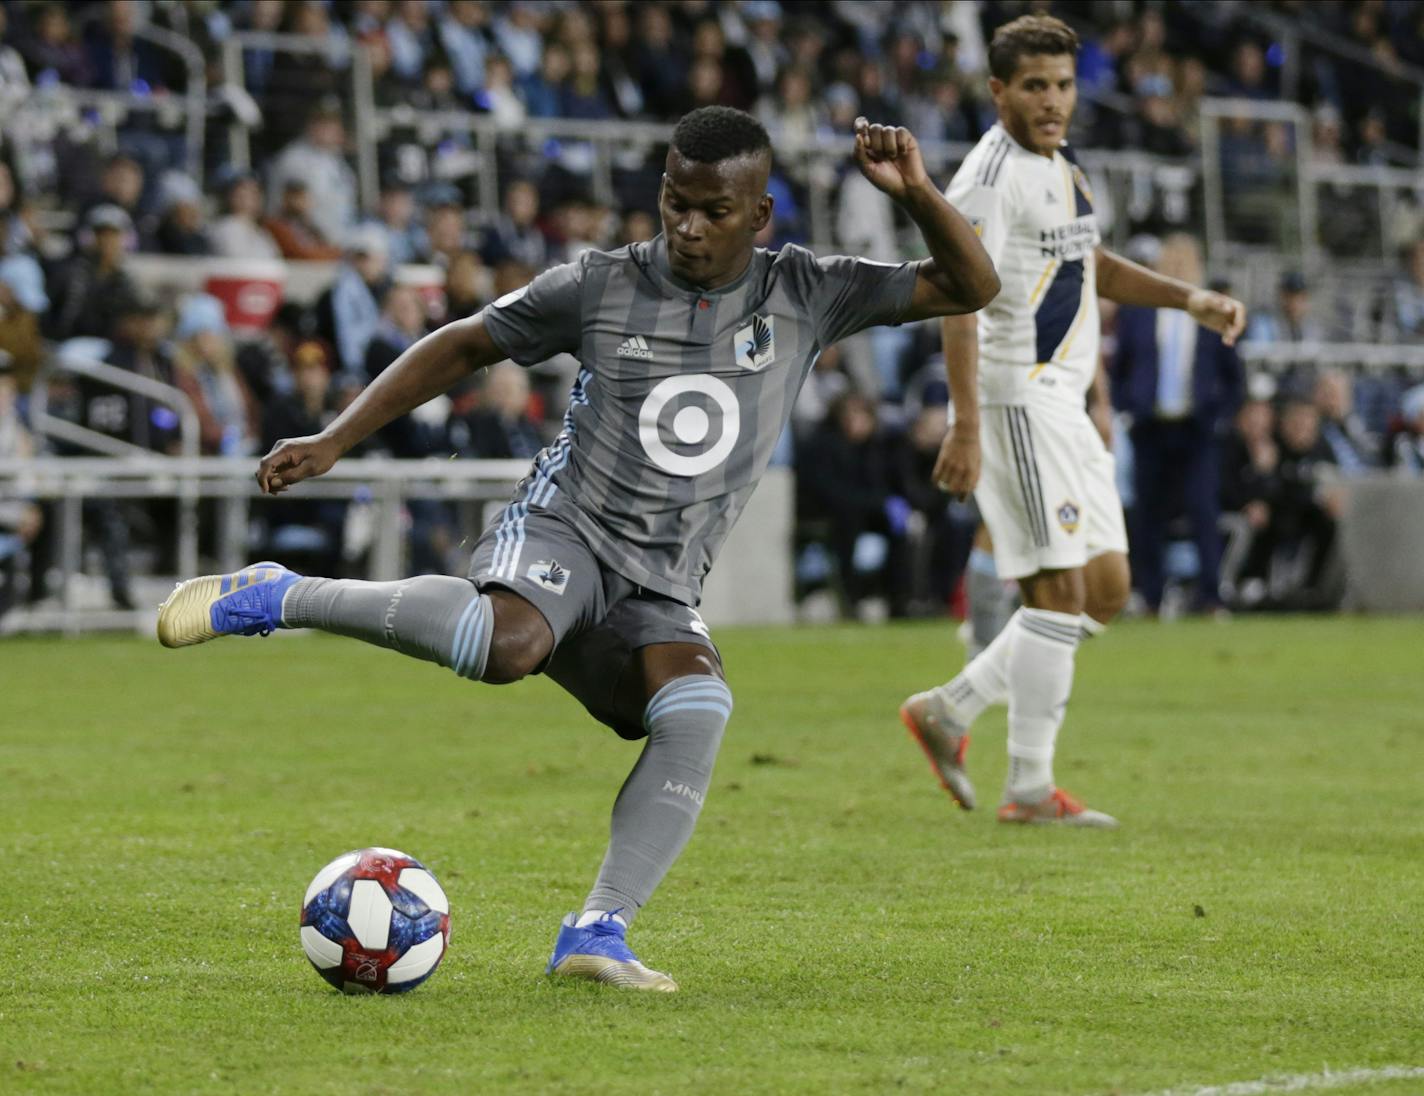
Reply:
x=682, y=395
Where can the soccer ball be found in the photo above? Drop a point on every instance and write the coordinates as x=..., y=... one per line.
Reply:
x=375, y=921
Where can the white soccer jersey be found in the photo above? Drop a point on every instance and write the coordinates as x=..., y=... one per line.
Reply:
x=1038, y=339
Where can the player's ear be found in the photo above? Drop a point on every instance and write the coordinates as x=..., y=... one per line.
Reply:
x=996, y=87
x=763, y=212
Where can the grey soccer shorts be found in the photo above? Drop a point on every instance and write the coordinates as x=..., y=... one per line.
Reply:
x=598, y=617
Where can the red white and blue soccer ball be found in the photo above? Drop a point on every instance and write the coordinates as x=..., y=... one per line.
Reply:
x=375, y=921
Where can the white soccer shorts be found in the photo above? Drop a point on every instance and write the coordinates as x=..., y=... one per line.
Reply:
x=1046, y=490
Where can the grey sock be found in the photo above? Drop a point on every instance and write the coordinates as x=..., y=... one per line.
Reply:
x=990, y=601
x=662, y=797
x=432, y=617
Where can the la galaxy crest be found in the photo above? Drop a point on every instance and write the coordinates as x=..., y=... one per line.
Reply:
x=755, y=344
x=1068, y=517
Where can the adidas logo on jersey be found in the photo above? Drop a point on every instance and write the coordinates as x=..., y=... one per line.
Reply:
x=635, y=346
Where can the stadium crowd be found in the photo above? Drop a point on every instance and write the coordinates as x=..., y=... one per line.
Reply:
x=870, y=420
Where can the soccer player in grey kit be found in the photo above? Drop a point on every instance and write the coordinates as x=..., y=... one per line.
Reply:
x=693, y=347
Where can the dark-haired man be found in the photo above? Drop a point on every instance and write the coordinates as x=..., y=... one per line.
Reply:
x=693, y=346
x=1019, y=374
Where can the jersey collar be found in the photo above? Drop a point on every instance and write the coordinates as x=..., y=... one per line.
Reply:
x=674, y=286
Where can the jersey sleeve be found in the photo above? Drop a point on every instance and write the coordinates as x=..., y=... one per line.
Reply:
x=544, y=318
x=847, y=294
x=986, y=208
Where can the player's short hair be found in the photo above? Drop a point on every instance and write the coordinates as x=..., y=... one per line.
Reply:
x=709, y=135
x=1026, y=36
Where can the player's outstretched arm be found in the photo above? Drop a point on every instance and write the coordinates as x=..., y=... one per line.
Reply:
x=1125, y=282
x=959, y=276
x=432, y=366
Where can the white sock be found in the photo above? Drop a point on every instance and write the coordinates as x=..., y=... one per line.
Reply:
x=588, y=917
x=981, y=683
x=1040, y=679
x=1092, y=627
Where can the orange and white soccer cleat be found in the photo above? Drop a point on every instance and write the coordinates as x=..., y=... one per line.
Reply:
x=1057, y=808
x=943, y=742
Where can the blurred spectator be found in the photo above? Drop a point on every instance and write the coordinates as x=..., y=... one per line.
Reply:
x=204, y=367
x=1352, y=449
x=637, y=226
x=516, y=32
x=20, y=518
x=117, y=61
x=53, y=48
x=401, y=324
x=739, y=83
x=465, y=279
x=444, y=228
x=499, y=96
x=584, y=94
x=661, y=70
x=1409, y=292
x=437, y=93
x=121, y=183
x=294, y=81
x=303, y=527
x=14, y=78
x=616, y=41
x=1404, y=446
x=412, y=39
x=791, y=116
x=1249, y=75
x=348, y=313
x=89, y=288
x=181, y=230
x=395, y=213
x=22, y=302
x=545, y=92
x=844, y=499
x=238, y=233
x=500, y=427
x=1181, y=385
x=938, y=545
x=296, y=234
x=827, y=382
x=317, y=158
x=514, y=232
x=463, y=36
x=1291, y=320
x=1158, y=129
x=934, y=113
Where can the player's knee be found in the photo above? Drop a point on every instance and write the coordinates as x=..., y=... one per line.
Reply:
x=1109, y=587
x=522, y=640
x=1056, y=591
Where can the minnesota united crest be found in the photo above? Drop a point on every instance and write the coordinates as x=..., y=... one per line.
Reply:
x=755, y=344
x=548, y=574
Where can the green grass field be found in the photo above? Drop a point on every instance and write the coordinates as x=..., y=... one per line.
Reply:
x=835, y=926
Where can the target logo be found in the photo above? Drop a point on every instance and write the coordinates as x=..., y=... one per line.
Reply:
x=689, y=423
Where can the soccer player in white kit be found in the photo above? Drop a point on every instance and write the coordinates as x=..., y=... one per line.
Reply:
x=1022, y=440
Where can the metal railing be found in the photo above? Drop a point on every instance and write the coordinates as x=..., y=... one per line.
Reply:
x=68, y=481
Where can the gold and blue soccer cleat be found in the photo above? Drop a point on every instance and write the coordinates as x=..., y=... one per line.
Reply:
x=599, y=952
x=245, y=603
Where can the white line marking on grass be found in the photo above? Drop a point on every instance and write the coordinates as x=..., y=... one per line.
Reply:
x=1302, y=1082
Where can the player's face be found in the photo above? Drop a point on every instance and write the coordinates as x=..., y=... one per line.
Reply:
x=1036, y=103
x=711, y=214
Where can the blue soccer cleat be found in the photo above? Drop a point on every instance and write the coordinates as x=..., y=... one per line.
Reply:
x=246, y=603
x=599, y=952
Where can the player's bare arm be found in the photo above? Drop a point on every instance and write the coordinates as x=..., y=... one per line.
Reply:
x=432, y=366
x=957, y=467
x=1127, y=282
x=959, y=276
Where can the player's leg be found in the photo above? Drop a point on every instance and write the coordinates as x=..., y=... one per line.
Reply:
x=672, y=692
x=990, y=598
x=1087, y=539
x=498, y=625
x=939, y=719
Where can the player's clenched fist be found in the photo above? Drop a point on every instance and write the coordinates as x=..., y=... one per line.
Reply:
x=294, y=460
x=889, y=157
